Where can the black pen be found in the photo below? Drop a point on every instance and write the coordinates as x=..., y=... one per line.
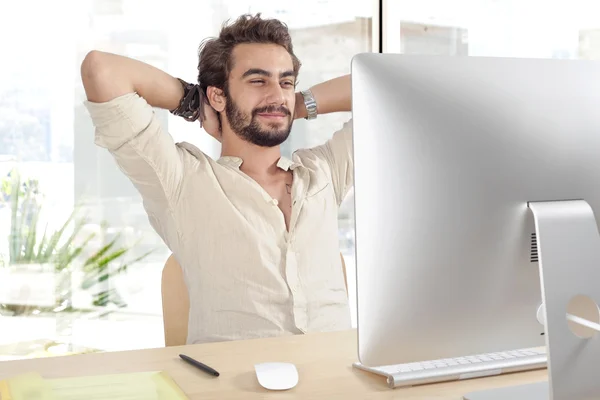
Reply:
x=199, y=365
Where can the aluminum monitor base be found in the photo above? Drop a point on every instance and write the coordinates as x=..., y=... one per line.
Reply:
x=569, y=263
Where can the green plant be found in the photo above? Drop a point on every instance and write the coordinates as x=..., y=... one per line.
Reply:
x=24, y=245
x=63, y=248
x=98, y=269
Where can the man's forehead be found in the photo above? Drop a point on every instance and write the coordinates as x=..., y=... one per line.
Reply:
x=257, y=56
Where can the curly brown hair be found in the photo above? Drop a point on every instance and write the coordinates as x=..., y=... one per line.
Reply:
x=215, y=61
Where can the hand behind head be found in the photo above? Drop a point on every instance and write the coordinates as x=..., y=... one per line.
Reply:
x=210, y=123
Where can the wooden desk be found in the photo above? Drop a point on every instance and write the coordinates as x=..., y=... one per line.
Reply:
x=324, y=362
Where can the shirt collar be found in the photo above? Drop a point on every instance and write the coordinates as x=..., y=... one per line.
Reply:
x=236, y=162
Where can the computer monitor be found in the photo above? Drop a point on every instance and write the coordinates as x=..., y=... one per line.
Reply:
x=448, y=151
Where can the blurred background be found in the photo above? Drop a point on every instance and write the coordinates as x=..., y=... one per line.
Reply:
x=80, y=265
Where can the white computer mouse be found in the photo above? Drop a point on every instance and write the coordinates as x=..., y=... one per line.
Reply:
x=276, y=375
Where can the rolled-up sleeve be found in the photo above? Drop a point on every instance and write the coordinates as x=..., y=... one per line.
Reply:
x=337, y=152
x=128, y=128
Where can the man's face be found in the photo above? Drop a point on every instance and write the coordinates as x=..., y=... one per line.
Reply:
x=261, y=94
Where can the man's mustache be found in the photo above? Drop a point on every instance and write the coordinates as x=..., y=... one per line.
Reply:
x=271, y=109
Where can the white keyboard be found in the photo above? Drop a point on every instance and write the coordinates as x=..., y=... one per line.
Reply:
x=420, y=366
x=461, y=367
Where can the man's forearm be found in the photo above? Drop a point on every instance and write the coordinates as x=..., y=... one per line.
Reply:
x=331, y=96
x=106, y=76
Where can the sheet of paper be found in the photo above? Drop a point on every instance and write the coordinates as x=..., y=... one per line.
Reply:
x=26, y=387
x=4, y=391
x=132, y=386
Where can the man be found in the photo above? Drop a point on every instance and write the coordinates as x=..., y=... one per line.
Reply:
x=254, y=232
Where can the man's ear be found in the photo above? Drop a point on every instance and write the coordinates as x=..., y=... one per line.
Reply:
x=216, y=97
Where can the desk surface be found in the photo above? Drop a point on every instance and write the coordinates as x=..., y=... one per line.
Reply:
x=324, y=362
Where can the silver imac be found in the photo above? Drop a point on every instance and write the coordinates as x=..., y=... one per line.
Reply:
x=448, y=153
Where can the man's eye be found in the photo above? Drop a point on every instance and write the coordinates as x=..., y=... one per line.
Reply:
x=257, y=81
x=288, y=83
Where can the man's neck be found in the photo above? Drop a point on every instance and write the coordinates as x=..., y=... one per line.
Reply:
x=256, y=160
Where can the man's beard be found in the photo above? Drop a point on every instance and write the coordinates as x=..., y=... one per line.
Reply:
x=252, y=132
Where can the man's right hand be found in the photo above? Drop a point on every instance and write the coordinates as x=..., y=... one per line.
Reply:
x=211, y=122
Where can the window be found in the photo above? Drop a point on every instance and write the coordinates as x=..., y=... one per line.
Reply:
x=49, y=165
x=492, y=28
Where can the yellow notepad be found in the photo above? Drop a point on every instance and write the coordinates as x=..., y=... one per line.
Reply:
x=27, y=386
x=132, y=386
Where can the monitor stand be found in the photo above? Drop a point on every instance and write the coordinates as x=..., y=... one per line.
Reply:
x=569, y=262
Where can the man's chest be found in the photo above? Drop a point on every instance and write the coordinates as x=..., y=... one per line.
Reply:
x=232, y=203
x=280, y=191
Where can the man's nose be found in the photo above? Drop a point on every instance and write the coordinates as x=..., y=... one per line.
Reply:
x=275, y=95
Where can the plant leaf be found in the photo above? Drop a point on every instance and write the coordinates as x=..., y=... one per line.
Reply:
x=111, y=257
x=64, y=252
x=42, y=244
x=15, y=236
x=68, y=258
x=100, y=253
x=34, y=214
x=55, y=238
x=124, y=267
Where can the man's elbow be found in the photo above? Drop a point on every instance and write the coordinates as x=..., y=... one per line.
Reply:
x=92, y=61
x=93, y=72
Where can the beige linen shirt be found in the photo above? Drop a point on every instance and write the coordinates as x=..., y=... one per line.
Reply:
x=246, y=274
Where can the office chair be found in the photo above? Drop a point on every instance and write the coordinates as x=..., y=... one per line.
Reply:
x=176, y=303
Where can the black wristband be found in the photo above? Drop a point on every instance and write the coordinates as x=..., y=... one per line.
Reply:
x=190, y=106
